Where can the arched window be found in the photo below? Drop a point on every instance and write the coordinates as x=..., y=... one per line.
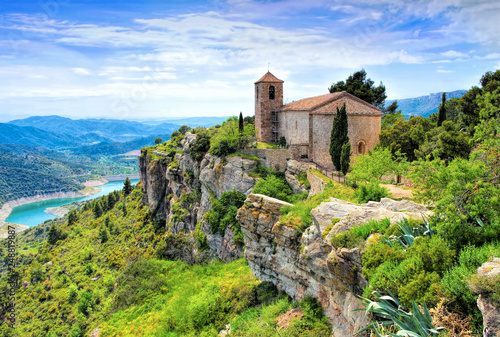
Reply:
x=361, y=147
x=271, y=92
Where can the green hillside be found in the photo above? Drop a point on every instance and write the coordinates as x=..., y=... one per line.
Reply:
x=101, y=270
x=28, y=173
x=109, y=129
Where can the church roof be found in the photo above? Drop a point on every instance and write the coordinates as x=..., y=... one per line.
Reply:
x=328, y=104
x=268, y=77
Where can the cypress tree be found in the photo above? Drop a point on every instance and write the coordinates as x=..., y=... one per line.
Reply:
x=345, y=158
x=442, y=110
x=339, y=136
x=240, y=126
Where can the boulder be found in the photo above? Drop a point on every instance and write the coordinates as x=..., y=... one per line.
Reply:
x=489, y=309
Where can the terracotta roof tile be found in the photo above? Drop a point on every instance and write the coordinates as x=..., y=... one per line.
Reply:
x=330, y=102
x=268, y=77
x=312, y=102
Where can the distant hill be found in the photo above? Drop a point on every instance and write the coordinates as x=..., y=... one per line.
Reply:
x=115, y=148
x=110, y=129
x=28, y=135
x=196, y=121
x=423, y=105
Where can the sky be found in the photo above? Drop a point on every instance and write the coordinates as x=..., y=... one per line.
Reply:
x=159, y=59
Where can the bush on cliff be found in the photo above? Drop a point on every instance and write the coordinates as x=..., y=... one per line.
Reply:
x=228, y=139
x=200, y=146
x=223, y=213
x=273, y=187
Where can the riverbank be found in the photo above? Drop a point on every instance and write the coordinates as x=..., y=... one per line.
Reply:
x=9, y=206
x=122, y=177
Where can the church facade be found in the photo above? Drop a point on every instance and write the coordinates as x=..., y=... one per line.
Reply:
x=306, y=124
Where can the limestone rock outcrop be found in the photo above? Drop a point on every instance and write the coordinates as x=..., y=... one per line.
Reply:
x=293, y=170
x=490, y=311
x=303, y=263
x=167, y=177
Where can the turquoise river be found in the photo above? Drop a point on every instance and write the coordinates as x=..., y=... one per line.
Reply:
x=33, y=214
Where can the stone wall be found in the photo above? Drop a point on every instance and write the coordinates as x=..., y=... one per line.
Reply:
x=361, y=128
x=272, y=158
x=294, y=125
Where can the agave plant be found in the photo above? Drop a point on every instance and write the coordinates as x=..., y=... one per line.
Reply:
x=410, y=233
x=387, y=310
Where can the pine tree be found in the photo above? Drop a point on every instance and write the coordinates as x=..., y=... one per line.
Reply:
x=72, y=217
x=345, y=158
x=240, y=126
x=53, y=235
x=339, y=136
x=97, y=210
x=442, y=110
x=103, y=234
x=127, y=186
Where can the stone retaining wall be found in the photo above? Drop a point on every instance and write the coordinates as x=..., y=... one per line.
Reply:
x=272, y=158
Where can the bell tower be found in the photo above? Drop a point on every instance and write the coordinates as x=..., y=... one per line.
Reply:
x=268, y=102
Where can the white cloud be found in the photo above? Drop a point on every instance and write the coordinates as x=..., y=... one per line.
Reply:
x=455, y=54
x=81, y=71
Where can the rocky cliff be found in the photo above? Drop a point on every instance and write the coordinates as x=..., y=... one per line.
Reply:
x=305, y=263
x=179, y=190
x=300, y=263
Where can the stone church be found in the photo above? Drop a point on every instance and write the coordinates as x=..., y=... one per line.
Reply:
x=306, y=124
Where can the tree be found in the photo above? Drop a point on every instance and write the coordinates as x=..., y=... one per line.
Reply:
x=183, y=129
x=103, y=234
x=358, y=85
x=339, y=136
x=127, y=186
x=442, y=110
x=240, y=126
x=54, y=234
x=72, y=217
x=97, y=210
x=345, y=158
x=391, y=109
x=158, y=140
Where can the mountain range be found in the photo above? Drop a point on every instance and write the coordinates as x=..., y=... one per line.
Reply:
x=423, y=105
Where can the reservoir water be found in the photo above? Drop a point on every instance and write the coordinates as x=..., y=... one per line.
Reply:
x=33, y=214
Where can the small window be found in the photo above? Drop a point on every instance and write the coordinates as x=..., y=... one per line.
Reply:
x=361, y=147
x=271, y=92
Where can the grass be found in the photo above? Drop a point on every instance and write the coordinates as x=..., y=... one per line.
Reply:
x=264, y=145
x=299, y=217
x=321, y=176
x=244, y=156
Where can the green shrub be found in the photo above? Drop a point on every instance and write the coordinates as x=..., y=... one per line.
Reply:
x=200, y=237
x=274, y=187
x=223, y=212
x=200, y=146
x=139, y=281
x=228, y=138
x=86, y=303
x=72, y=293
x=411, y=274
x=455, y=280
x=299, y=217
x=358, y=234
x=370, y=192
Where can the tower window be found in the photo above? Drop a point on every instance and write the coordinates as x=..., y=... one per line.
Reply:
x=271, y=92
x=361, y=147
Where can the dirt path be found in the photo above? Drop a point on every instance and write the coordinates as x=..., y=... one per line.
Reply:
x=399, y=191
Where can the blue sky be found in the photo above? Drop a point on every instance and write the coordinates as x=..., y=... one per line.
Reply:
x=162, y=59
